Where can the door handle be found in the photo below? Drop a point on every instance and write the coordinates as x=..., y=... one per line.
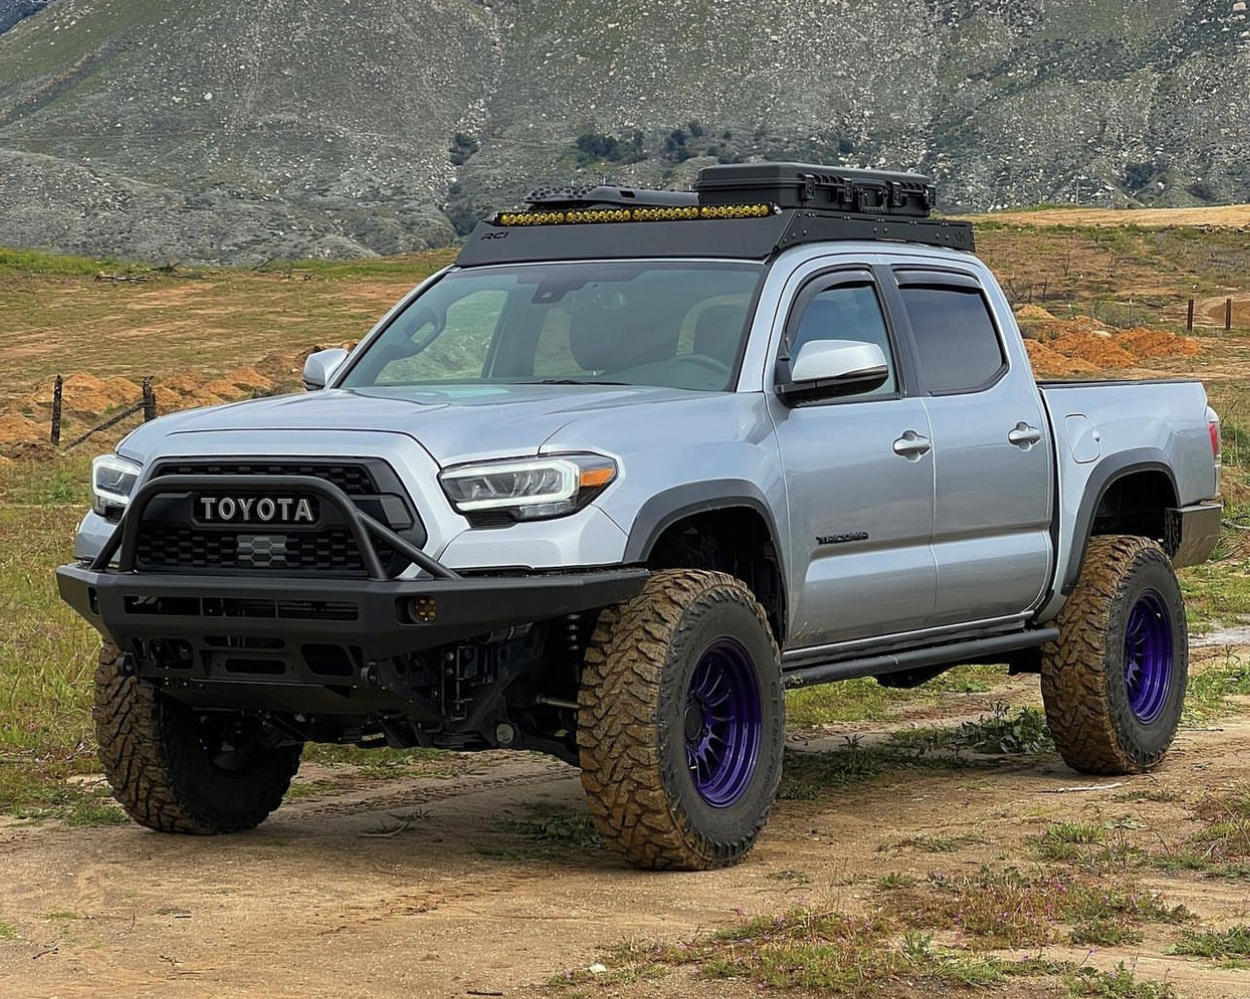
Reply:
x=1024, y=436
x=912, y=446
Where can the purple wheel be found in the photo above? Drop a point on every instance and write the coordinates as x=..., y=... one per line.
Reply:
x=681, y=726
x=1114, y=683
x=723, y=722
x=1148, y=656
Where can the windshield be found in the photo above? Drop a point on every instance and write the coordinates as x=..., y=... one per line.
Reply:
x=672, y=324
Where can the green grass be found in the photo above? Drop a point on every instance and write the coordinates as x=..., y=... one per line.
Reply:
x=822, y=951
x=36, y=262
x=867, y=700
x=1208, y=693
x=8, y=931
x=1063, y=840
x=38, y=789
x=1005, y=908
x=1118, y=984
x=1231, y=946
x=47, y=654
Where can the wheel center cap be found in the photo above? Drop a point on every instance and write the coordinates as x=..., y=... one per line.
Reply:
x=694, y=721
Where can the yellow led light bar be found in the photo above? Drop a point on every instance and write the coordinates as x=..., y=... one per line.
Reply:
x=579, y=216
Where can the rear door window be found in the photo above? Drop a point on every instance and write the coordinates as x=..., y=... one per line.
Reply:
x=958, y=348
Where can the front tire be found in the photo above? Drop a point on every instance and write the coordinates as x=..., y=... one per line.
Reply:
x=682, y=722
x=1114, y=683
x=176, y=771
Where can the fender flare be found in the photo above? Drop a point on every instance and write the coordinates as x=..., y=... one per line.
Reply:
x=1106, y=474
x=667, y=507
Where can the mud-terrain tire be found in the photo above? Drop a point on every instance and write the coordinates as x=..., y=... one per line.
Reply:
x=681, y=722
x=168, y=768
x=1114, y=683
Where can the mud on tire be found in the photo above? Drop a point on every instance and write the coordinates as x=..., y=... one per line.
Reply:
x=682, y=722
x=1114, y=683
x=173, y=772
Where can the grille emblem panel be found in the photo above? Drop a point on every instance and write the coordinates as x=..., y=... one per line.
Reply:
x=256, y=510
x=262, y=551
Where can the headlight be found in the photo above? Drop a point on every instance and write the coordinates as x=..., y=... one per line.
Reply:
x=530, y=488
x=113, y=479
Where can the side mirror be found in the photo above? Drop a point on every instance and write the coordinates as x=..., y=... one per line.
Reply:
x=321, y=367
x=836, y=367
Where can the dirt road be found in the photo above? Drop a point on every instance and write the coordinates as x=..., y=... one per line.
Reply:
x=414, y=888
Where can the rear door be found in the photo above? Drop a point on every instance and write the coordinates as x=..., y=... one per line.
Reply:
x=991, y=447
x=859, y=477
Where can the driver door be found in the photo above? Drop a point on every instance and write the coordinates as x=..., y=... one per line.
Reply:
x=860, y=479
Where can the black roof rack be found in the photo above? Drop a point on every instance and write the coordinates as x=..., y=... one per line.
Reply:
x=743, y=211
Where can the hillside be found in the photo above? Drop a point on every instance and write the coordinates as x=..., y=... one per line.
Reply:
x=224, y=132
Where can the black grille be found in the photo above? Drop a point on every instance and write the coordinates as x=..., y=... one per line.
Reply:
x=165, y=546
x=170, y=539
x=355, y=480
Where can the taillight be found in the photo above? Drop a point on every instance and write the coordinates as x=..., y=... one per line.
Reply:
x=1213, y=429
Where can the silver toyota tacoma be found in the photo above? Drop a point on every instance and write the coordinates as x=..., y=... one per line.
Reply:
x=606, y=487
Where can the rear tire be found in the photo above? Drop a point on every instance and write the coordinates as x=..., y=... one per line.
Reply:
x=172, y=769
x=1114, y=683
x=682, y=722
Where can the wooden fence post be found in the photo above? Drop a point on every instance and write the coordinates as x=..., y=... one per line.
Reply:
x=1189, y=323
x=149, y=400
x=56, y=409
x=1228, y=314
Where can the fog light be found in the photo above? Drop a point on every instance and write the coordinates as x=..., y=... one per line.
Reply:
x=423, y=610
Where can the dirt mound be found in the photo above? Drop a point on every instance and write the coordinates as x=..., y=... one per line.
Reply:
x=249, y=378
x=281, y=368
x=1148, y=343
x=1100, y=351
x=1048, y=363
x=224, y=389
x=1036, y=313
x=180, y=384
x=168, y=400
x=123, y=391
x=15, y=429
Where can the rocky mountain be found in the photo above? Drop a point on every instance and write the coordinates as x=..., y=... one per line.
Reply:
x=215, y=131
x=12, y=11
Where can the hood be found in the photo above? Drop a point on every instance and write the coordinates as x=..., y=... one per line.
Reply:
x=456, y=424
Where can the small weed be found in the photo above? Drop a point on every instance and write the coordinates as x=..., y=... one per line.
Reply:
x=894, y=881
x=8, y=931
x=1104, y=933
x=794, y=877
x=557, y=828
x=1154, y=795
x=807, y=776
x=302, y=789
x=1063, y=840
x=1118, y=984
x=63, y=916
x=940, y=844
x=1004, y=733
x=1231, y=945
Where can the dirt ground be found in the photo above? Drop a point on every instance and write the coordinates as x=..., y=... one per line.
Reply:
x=409, y=888
x=1221, y=216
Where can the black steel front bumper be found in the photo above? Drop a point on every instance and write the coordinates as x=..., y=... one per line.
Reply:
x=274, y=639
